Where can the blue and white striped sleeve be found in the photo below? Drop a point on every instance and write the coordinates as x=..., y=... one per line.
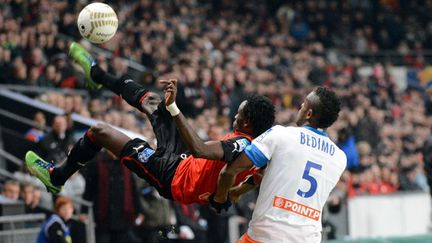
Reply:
x=262, y=148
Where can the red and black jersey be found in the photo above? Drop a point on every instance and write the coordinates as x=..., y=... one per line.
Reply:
x=195, y=179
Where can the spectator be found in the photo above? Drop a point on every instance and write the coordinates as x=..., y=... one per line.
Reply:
x=36, y=133
x=111, y=188
x=408, y=179
x=35, y=205
x=158, y=214
x=367, y=128
x=42, y=198
x=11, y=190
x=334, y=204
x=5, y=65
x=51, y=77
x=427, y=160
x=190, y=224
x=347, y=143
x=217, y=225
x=56, y=144
x=299, y=28
x=37, y=58
x=74, y=187
x=388, y=184
x=356, y=185
x=56, y=229
x=67, y=78
x=26, y=194
x=19, y=73
x=31, y=198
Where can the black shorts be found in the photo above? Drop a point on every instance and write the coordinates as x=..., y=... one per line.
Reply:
x=158, y=166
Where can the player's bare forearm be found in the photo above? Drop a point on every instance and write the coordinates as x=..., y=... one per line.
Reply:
x=198, y=148
x=236, y=192
x=225, y=181
x=227, y=176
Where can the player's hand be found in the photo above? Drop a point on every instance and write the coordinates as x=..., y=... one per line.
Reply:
x=219, y=207
x=170, y=90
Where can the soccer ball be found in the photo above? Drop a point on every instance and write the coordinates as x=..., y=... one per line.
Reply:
x=97, y=22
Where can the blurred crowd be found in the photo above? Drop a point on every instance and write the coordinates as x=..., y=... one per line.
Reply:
x=220, y=51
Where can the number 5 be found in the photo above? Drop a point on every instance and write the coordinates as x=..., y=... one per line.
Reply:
x=309, y=178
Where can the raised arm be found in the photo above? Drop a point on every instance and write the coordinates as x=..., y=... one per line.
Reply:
x=200, y=149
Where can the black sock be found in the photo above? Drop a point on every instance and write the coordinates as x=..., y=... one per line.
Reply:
x=100, y=76
x=84, y=150
x=124, y=86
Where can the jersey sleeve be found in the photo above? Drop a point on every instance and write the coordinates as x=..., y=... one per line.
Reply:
x=262, y=148
x=233, y=148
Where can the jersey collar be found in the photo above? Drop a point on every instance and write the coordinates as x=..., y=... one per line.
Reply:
x=316, y=130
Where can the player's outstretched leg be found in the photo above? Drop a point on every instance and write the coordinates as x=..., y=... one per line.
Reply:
x=86, y=61
x=101, y=135
x=133, y=93
x=54, y=177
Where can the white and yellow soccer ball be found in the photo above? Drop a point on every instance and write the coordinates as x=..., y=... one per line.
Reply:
x=97, y=23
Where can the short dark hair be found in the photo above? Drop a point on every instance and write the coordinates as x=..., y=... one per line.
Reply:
x=260, y=112
x=327, y=108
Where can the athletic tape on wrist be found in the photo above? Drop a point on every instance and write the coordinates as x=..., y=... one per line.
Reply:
x=173, y=109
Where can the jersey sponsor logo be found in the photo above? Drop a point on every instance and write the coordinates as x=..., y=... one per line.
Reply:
x=297, y=208
x=145, y=155
x=240, y=145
